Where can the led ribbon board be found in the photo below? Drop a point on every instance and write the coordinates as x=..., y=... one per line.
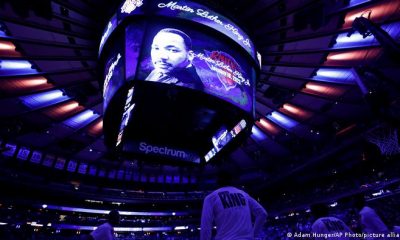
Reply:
x=223, y=137
x=180, y=9
x=201, y=14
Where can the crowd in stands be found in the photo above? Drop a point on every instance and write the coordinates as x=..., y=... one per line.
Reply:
x=364, y=177
x=289, y=213
x=276, y=228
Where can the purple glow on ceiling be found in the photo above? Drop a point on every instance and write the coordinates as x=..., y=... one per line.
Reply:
x=16, y=67
x=357, y=40
x=282, y=120
x=257, y=134
x=15, y=64
x=353, y=3
x=81, y=119
x=393, y=29
x=344, y=76
x=44, y=99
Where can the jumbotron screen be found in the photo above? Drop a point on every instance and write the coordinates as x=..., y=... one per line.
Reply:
x=181, y=44
x=179, y=55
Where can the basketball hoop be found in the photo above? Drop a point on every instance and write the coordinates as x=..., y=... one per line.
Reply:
x=386, y=139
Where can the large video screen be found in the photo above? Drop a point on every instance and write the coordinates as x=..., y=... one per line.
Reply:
x=182, y=56
x=177, y=76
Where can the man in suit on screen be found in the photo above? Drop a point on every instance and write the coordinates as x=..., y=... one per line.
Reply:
x=172, y=56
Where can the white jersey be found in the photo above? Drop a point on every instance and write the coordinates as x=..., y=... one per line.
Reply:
x=231, y=210
x=103, y=232
x=330, y=228
x=371, y=222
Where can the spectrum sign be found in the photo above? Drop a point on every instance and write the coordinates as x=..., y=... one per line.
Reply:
x=163, y=151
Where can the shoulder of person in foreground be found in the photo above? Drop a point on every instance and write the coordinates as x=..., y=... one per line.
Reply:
x=255, y=206
x=260, y=216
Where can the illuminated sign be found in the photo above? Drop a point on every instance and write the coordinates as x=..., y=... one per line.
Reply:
x=48, y=160
x=110, y=74
x=71, y=167
x=210, y=154
x=126, y=115
x=10, y=150
x=223, y=137
x=113, y=73
x=83, y=168
x=201, y=14
x=187, y=10
x=228, y=70
x=36, y=157
x=112, y=24
x=109, y=27
x=130, y=6
x=92, y=170
x=169, y=152
x=23, y=153
x=60, y=163
x=146, y=148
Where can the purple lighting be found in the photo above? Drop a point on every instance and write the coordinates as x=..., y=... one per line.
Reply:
x=181, y=228
x=73, y=227
x=16, y=67
x=282, y=120
x=257, y=134
x=393, y=29
x=15, y=64
x=43, y=99
x=125, y=213
x=116, y=229
x=344, y=76
x=355, y=40
x=353, y=3
x=82, y=119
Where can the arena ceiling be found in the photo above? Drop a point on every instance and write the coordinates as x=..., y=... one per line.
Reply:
x=309, y=106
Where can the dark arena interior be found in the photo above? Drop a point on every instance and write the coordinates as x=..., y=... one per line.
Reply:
x=299, y=100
